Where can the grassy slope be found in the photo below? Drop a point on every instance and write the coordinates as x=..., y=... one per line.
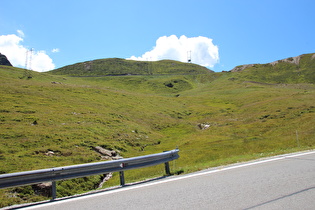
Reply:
x=141, y=115
x=118, y=66
x=283, y=72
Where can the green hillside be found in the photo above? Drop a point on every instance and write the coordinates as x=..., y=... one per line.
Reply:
x=300, y=69
x=50, y=120
x=118, y=66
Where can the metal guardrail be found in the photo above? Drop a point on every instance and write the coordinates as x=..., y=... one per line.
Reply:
x=88, y=169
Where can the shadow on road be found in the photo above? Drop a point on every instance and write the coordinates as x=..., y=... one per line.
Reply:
x=280, y=198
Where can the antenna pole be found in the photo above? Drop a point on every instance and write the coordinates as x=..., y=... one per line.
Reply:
x=26, y=59
x=31, y=52
x=189, y=56
x=28, y=63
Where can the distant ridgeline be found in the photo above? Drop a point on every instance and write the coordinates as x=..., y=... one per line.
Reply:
x=118, y=66
x=4, y=60
x=299, y=69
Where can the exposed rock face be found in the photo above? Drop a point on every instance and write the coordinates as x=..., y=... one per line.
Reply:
x=293, y=60
x=241, y=68
x=106, y=155
x=4, y=60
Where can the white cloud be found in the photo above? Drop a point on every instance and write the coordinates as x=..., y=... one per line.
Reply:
x=42, y=62
x=21, y=33
x=55, y=50
x=201, y=49
x=11, y=47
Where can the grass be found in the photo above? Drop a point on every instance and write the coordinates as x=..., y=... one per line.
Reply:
x=249, y=117
x=117, y=66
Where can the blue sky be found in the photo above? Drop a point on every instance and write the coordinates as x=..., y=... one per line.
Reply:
x=63, y=32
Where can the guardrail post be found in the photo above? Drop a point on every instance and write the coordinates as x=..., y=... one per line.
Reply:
x=122, y=178
x=167, y=168
x=53, y=190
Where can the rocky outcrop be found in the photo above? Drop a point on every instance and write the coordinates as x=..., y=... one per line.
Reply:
x=106, y=155
x=4, y=60
x=293, y=60
x=204, y=126
x=241, y=68
x=43, y=189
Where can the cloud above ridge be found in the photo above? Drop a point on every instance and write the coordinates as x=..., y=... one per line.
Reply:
x=200, y=49
x=11, y=47
x=55, y=50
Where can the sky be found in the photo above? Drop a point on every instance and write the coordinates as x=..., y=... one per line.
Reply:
x=45, y=35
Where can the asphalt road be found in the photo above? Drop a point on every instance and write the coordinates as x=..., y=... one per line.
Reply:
x=282, y=182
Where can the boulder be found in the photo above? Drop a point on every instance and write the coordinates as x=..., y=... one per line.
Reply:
x=105, y=152
x=203, y=126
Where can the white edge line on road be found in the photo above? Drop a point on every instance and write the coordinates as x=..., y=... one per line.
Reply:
x=171, y=179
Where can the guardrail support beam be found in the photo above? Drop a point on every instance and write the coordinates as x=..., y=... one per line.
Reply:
x=53, y=190
x=122, y=178
x=167, y=168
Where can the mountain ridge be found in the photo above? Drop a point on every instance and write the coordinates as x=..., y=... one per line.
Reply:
x=293, y=60
x=119, y=66
x=299, y=69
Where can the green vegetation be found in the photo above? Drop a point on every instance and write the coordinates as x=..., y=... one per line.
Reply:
x=118, y=66
x=283, y=72
x=254, y=113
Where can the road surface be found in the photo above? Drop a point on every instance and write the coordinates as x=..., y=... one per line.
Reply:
x=281, y=182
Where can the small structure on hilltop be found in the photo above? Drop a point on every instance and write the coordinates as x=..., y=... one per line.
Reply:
x=189, y=56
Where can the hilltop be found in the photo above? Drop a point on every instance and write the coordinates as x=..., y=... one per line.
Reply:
x=50, y=120
x=118, y=67
x=299, y=69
